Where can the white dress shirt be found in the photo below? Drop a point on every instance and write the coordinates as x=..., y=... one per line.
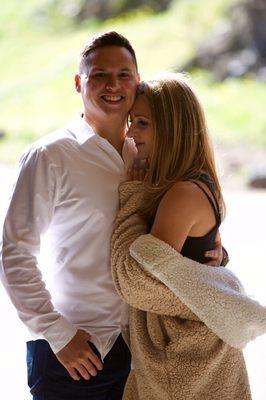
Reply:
x=67, y=186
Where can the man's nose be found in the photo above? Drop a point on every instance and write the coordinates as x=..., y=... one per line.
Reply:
x=112, y=83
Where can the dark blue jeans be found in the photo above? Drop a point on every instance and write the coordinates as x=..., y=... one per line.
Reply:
x=49, y=380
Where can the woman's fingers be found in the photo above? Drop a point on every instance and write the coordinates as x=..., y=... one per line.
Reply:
x=138, y=170
x=129, y=175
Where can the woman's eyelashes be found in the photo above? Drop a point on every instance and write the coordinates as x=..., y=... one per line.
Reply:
x=138, y=122
x=142, y=123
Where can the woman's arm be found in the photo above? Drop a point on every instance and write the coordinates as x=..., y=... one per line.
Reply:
x=184, y=210
x=144, y=267
x=215, y=295
x=137, y=287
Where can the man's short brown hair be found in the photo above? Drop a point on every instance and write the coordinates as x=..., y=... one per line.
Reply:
x=105, y=39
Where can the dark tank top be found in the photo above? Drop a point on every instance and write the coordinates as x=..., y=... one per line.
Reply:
x=195, y=246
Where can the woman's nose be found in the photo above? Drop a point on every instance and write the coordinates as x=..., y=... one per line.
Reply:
x=131, y=132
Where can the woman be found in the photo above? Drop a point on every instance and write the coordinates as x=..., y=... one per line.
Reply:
x=175, y=355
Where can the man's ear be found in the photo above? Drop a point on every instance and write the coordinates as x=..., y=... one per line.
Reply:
x=78, y=83
x=138, y=78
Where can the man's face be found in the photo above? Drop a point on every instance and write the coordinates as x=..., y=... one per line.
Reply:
x=108, y=84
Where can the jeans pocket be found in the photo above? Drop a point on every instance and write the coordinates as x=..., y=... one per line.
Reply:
x=37, y=352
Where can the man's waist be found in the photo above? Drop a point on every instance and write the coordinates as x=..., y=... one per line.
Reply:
x=102, y=337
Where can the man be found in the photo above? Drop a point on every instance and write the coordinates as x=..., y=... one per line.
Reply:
x=68, y=182
x=68, y=186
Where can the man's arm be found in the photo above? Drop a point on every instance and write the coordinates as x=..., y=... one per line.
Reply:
x=29, y=214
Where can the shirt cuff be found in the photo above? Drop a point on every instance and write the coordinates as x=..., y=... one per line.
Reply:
x=59, y=334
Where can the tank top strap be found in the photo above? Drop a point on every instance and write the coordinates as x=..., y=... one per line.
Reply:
x=213, y=202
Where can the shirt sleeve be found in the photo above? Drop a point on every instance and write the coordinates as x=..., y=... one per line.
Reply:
x=29, y=214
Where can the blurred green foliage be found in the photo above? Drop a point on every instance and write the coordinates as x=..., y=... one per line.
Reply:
x=97, y=9
x=39, y=52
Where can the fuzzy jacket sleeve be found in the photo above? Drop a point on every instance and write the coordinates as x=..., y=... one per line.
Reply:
x=136, y=286
x=215, y=295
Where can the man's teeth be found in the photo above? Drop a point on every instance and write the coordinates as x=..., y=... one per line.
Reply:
x=112, y=98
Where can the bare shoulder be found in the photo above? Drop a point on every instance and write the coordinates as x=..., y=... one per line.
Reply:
x=184, y=200
x=179, y=195
x=176, y=214
x=184, y=210
x=180, y=202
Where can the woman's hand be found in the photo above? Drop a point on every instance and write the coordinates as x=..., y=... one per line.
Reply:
x=138, y=170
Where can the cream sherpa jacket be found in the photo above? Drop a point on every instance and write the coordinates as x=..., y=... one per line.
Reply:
x=175, y=355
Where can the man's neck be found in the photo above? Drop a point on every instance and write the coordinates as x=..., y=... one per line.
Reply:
x=113, y=130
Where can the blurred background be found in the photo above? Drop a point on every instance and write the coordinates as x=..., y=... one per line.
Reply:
x=221, y=43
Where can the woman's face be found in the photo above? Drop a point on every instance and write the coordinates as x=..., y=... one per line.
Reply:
x=141, y=129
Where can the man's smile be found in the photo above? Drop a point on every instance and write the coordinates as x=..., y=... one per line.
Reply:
x=112, y=99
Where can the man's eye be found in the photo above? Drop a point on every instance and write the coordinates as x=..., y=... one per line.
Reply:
x=124, y=75
x=99, y=75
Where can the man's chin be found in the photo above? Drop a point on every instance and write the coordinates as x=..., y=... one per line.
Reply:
x=116, y=112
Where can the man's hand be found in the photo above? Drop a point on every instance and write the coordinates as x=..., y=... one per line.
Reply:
x=216, y=254
x=78, y=356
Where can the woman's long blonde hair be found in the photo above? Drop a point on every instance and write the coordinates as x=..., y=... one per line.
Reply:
x=181, y=149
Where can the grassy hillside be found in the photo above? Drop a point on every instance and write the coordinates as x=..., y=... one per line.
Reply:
x=39, y=55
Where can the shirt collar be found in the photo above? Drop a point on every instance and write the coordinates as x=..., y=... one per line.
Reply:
x=81, y=129
x=83, y=132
